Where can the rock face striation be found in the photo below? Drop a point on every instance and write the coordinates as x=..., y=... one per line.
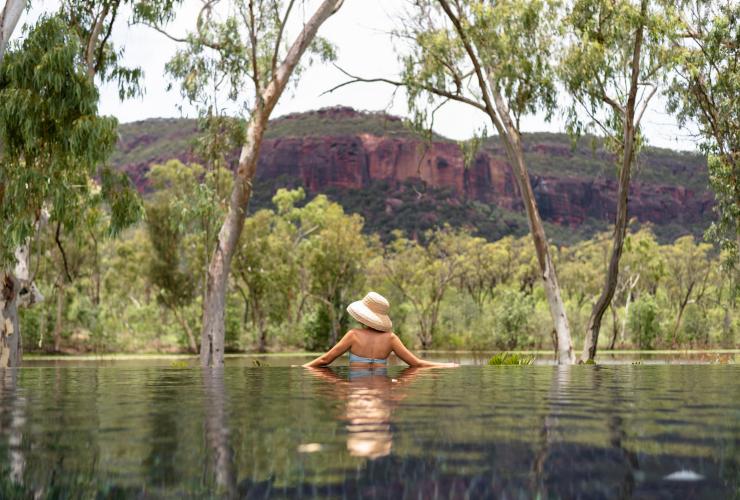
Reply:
x=346, y=152
x=353, y=161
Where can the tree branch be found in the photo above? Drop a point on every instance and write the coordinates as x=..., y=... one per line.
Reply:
x=476, y=65
x=94, y=34
x=163, y=32
x=428, y=88
x=279, y=39
x=101, y=47
x=61, y=250
x=253, y=44
x=645, y=105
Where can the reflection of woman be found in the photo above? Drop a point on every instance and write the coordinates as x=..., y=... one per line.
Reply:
x=369, y=395
x=371, y=346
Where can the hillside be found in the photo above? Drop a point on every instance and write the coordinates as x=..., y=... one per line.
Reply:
x=374, y=164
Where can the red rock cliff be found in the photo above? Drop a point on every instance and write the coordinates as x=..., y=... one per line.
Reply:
x=343, y=148
x=353, y=161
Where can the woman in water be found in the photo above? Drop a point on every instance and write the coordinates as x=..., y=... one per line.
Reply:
x=371, y=346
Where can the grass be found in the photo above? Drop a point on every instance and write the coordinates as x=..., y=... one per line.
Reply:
x=511, y=359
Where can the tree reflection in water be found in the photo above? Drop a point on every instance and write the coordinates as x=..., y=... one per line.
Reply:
x=217, y=432
x=12, y=421
x=369, y=395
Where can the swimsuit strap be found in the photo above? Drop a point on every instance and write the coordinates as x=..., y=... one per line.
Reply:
x=353, y=358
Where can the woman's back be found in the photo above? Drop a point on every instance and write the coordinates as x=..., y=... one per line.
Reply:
x=371, y=344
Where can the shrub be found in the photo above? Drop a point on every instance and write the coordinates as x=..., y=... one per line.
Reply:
x=643, y=322
x=694, y=328
x=514, y=313
x=316, y=330
x=509, y=359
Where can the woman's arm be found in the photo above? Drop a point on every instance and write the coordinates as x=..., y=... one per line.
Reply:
x=409, y=358
x=340, y=348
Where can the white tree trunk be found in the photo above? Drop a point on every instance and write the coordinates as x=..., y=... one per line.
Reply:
x=18, y=290
x=9, y=17
x=212, y=339
x=510, y=136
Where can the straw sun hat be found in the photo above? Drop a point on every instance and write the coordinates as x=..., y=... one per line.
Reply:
x=372, y=311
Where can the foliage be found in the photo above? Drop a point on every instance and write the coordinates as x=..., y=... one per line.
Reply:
x=704, y=92
x=53, y=138
x=513, y=317
x=491, y=303
x=644, y=322
x=317, y=330
x=335, y=256
x=424, y=273
x=510, y=359
x=596, y=64
x=233, y=50
x=181, y=216
x=340, y=122
x=266, y=269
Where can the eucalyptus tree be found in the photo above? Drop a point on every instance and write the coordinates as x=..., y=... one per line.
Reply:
x=243, y=43
x=687, y=278
x=52, y=139
x=618, y=56
x=265, y=270
x=705, y=92
x=334, y=254
x=423, y=274
x=494, y=57
x=175, y=211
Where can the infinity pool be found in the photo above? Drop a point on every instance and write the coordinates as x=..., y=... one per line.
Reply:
x=145, y=430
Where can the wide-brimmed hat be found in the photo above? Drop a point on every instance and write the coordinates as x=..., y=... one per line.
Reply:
x=372, y=311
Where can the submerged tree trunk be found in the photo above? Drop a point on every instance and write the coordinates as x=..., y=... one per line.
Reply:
x=620, y=230
x=262, y=347
x=212, y=339
x=628, y=300
x=591, y=340
x=499, y=113
x=10, y=344
x=547, y=268
x=13, y=418
x=17, y=291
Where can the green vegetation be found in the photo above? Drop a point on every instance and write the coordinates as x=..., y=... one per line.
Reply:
x=342, y=121
x=459, y=273
x=305, y=260
x=510, y=359
x=424, y=207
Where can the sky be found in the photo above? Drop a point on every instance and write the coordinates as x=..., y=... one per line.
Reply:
x=360, y=32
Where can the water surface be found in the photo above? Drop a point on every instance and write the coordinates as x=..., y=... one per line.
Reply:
x=149, y=430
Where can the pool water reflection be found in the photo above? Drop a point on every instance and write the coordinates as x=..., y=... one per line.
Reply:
x=150, y=431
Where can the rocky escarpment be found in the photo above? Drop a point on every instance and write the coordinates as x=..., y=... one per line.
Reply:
x=341, y=149
x=353, y=161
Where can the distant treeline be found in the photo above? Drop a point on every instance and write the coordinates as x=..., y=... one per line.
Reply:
x=301, y=262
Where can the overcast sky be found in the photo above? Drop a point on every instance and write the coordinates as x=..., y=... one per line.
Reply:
x=359, y=30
